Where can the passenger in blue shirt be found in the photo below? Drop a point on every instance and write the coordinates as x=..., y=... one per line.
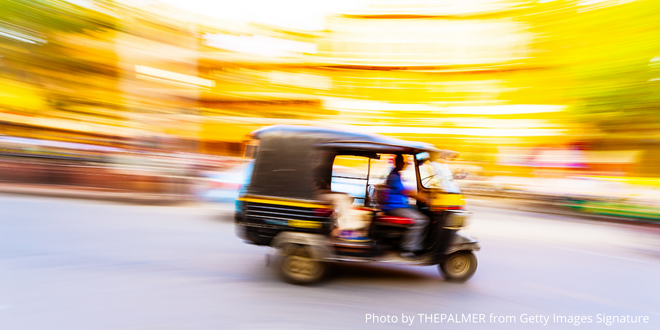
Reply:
x=396, y=204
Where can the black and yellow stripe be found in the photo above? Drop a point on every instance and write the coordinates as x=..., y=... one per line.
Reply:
x=283, y=202
x=299, y=214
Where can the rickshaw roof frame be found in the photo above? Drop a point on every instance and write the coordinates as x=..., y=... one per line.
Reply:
x=342, y=139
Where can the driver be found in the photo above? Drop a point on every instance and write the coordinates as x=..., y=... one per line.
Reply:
x=396, y=204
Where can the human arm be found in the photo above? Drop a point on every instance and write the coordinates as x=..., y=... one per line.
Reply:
x=395, y=183
x=415, y=195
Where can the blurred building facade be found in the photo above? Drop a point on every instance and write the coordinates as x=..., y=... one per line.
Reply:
x=456, y=77
x=510, y=84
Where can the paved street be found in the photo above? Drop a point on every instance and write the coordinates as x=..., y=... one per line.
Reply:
x=71, y=264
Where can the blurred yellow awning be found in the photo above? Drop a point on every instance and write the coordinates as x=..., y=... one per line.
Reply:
x=221, y=130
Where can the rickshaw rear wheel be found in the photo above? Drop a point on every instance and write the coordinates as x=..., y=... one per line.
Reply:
x=296, y=265
x=458, y=266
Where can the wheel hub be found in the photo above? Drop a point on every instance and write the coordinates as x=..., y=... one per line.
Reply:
x=458, y=265
x=302, y=266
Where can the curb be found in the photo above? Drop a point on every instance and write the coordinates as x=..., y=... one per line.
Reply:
x=94, y=194
x=527, y=205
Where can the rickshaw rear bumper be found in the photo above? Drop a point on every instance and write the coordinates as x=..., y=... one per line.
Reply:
x=241, y=232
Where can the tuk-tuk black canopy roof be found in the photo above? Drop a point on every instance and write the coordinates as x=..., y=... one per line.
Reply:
x=292, y=158
x=334, y=138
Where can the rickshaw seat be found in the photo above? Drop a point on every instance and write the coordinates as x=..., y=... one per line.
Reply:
x=394, y=220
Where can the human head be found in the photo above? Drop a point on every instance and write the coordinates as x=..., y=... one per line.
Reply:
x=399, y=162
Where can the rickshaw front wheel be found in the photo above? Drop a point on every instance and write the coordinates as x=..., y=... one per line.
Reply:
x=459, y=266
x=296, y=265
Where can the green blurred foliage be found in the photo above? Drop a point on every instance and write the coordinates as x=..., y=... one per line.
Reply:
x=607, y=54
x=52, y=15
x=56, y=51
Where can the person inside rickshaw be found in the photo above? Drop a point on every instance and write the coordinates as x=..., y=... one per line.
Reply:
x=347, y=191
x=395, y=203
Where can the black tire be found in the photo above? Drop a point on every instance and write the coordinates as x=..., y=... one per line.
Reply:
x=296, y=265
x=458, y=266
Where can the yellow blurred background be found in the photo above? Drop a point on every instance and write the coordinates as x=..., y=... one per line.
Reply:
x=535, y=89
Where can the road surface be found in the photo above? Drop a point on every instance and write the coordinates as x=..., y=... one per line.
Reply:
x=71, y=264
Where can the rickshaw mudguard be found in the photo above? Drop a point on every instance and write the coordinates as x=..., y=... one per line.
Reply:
x=460, y=241
x=317, y=243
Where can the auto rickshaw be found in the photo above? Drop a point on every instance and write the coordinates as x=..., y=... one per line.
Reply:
x=281, y=205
